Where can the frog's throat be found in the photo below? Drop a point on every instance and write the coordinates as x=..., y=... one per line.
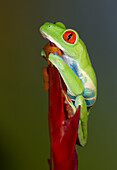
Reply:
x=48, y=37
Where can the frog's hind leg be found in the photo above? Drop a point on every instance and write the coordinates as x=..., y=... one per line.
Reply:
x=82, y=130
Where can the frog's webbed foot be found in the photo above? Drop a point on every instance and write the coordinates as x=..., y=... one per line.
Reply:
x=45, y=77
x=68, y=105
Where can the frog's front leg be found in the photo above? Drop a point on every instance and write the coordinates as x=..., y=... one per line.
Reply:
x=72, y=81
x=75, y=85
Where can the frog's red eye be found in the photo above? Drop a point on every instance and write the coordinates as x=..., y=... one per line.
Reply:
x=70, y=36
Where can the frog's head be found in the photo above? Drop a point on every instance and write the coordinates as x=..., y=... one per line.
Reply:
x=66, y=39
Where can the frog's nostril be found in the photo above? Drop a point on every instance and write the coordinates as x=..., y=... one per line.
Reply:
x=49, y=25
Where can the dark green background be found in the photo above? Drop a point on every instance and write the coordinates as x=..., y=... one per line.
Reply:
x=24, y=137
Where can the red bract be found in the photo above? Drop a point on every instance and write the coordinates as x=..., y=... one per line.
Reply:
x=63, y=131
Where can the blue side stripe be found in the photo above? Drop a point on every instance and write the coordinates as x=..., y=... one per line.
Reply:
x=74, y=67
x=84, y=80
x=71, y=97
x=89, y=102
x=88, y=93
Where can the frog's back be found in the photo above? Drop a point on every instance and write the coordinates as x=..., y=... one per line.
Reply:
x=85, y=64
x=88, y=77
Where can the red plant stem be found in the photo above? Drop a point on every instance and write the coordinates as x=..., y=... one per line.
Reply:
x=63, y=132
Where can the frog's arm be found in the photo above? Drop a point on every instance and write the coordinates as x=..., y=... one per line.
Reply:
x=75, y=85
x=71, y=79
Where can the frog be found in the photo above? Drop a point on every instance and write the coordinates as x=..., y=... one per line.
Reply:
x=76, y=70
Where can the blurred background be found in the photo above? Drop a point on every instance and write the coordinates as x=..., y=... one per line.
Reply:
x=24, y=134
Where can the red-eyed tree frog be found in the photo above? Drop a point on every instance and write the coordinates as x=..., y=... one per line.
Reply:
x=76, y=70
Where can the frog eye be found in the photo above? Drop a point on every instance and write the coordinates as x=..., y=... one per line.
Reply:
x=70, y=36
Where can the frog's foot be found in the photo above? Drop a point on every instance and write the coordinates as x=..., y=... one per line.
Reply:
x=45, y=55
x=82, y=130
x=69, y=107
x=45, y=77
